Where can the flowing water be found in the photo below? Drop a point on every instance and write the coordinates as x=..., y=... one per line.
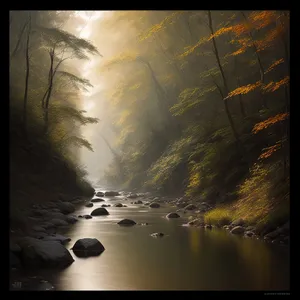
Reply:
x=184, y=259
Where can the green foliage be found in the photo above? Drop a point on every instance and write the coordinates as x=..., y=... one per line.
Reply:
x=189, y=98
x=220, y=216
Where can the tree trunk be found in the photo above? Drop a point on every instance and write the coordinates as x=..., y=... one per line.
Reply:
x=46, y=108
x=223, y=77
x=26, y=77
x=19, y=40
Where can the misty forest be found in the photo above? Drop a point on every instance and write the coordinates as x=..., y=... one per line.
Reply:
x=149, y=150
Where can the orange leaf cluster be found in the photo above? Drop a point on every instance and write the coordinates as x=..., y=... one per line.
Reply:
x=261, y=19
x=273, y=86
x=270, y=150
x=238, y=30
x=245, y=89
x=269, y=122
x=269, y=39
x=274, y=64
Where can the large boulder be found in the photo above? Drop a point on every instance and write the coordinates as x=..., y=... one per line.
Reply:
x=45, y=254
x=97, y=200
x=111, y=193
x=66, y=207
x=126, y=222
x=101, y=211
x=87, y=247
x=154, y=205
x=172, y=215
x=237, y=230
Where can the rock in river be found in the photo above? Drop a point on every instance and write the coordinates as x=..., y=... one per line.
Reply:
x=89, y=205
x=101, y=211
x=190, y=207
x=196, y=222
x=118, y=205
x=249, y=233
x=237, y=230
x=172, y=215
x=238, y=222
x=87, y=247
x=138, y=202
x=127, y=222
x=87, y=217
x=157, y=234
x=39, y=253
x=97, y=200
x=154, y=205
x=111, y=193
x=132, y=196
x=99, y=194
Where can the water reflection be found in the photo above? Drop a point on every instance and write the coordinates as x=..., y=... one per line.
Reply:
x=194, y=238
x=184, y=259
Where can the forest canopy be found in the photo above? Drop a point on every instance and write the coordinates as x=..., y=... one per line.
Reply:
x=196, y=99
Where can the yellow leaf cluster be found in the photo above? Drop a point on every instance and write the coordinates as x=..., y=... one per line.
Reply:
x=269, y=39
x=191, y=49
x=160, y=26
x=244, y=89
x=269, y=122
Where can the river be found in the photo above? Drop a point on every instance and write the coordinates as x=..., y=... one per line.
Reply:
x=185, y=258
